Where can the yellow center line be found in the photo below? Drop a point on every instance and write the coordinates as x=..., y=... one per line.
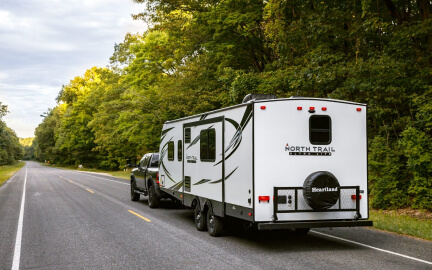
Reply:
x=138, y=215
x=90, y=191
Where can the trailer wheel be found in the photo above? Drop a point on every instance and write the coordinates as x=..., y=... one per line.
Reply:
x=153, y=200
x=134, y=196
x=200, y=218
x=214, y=223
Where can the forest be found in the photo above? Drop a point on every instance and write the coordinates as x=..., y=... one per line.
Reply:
x=198, y=56
x=10, y=147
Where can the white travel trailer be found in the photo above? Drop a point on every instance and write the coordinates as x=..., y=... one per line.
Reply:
x=274, y=163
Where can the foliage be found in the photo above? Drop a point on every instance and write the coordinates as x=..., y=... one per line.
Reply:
x=10, y=148
x=199, y=56
x=401, y=223
x=28, y=147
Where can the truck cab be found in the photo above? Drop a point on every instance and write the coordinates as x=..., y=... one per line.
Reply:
x=144, y=179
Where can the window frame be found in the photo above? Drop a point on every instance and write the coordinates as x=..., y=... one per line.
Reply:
x=206, y=144
x=179, y=150
x=322, y=130
x=187, y=135
x=171, y=144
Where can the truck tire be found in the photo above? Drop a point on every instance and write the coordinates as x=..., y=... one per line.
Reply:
x=134, y=196
x=153, y=200
x=200, y=218
x=214, y=223
x=321, y=190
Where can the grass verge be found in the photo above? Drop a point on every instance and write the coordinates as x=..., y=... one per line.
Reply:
x=7, y=171
x=403, y=222
x=119, y=174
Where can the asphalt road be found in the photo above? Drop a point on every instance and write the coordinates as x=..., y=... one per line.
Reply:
x=76, y=220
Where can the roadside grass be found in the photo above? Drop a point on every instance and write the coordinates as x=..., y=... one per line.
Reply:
x=403, y=222
x=7, y=171
x=119, y=174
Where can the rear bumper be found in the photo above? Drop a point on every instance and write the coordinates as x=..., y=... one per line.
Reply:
x=314, y=224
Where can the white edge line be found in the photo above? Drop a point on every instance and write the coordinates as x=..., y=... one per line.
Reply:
x=18, y=240
x=379, y=249
x=102, y=178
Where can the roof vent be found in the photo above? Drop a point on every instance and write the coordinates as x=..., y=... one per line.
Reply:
x=253, y=97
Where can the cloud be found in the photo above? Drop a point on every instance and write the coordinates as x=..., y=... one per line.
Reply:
x=46, y=43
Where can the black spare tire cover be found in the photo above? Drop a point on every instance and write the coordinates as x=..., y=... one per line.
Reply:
x=321, y=190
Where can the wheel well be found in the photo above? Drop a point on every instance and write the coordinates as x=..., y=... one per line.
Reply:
x=207, y=204
x=196, y=201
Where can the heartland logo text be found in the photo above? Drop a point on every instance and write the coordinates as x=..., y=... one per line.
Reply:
x=326, y=189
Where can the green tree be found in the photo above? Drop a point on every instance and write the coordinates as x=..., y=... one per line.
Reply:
x=10, y=148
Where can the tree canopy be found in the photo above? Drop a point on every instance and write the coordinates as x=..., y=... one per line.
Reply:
x=10, y=148
x=203, y=55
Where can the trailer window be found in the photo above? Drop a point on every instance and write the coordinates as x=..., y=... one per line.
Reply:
x=171, y=150
x=320, y=129
x=187, y=135
x=179, y=150
x=208, y=145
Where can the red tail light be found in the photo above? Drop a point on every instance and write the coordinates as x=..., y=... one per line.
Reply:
x=264, y=198
x=299, y=108
x=359, y=109
x=324, y=108
x=157, y=179
x=263, y=107
x=354, y=197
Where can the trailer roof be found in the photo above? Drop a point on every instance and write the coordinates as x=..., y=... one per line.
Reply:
x=266, y=100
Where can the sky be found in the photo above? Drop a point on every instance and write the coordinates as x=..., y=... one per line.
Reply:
x=46, y=43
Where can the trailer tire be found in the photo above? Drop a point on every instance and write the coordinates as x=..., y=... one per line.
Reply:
x=153, y=200
x=200, y=218
x=134, y=196
x=321, y=190
x=214, y=223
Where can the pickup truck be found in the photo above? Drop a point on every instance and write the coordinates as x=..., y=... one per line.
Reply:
x=145, y=181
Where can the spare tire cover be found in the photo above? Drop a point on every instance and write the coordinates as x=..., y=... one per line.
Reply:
x=321, y=190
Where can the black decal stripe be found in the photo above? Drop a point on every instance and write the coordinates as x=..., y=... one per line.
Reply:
x=237, y=138
x=164, y=132
x=226, y=178
x=167, y=172
x=177, y=186
x=194, y=141
x=203, y=117
x=161, y=162
x=202, y=182
x=232, y=122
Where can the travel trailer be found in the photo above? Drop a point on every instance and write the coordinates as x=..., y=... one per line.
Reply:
x=289, y=163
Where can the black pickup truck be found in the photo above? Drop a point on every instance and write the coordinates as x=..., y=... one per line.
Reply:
x=145, y=179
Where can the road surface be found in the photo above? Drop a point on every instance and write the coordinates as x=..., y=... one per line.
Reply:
x=60, y=219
